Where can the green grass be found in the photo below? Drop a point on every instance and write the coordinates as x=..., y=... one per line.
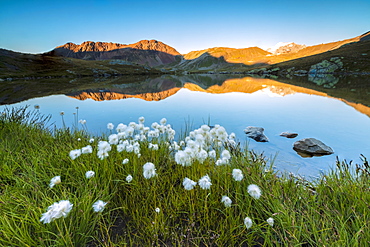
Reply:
x=331, y=211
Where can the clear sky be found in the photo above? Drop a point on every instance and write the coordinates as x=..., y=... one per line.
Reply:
x=36, y=26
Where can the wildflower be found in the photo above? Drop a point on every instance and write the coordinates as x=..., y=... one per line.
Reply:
x=153, y=146
x=188, y=184
x=248, y=222
x=87, y=149
x=91, y=140
x=102, y=154
x=205, y=182
x=205, y=128
x=222, y=161
x=270, y=221
x=149, y=170
x=163, y=121
x=138, y=155
x=238, y=174
x=104, y=146
x=227, y=201
x=226, y=154
x=121, y=147
x=113, y=139
x=132, y=125
x=78, y=139
x=182, y=158
x=99, y=205
x=202, y=155
x=90, y=174
x=141, y=120
x=82, y=121
x=55, y=180
x=125, y=161
x=212, y=154
x=75, y=153
x=110, y=126
x=121, y=127
x=57, y=210
x=254, y=191
x=129, y=178
x=157, y=210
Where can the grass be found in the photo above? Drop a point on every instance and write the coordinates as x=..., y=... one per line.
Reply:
x=330, y=211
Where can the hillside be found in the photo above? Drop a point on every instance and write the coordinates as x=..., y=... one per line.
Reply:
x=30, y=66
x=145, y=52
x=247, y=56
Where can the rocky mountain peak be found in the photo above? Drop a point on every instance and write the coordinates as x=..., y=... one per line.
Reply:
x=91, y=46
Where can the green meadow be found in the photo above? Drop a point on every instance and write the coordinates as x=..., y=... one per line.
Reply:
x=138, y=172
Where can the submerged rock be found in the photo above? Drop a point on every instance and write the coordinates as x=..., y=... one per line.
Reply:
x=256, y=133
x=289, y=135
x=309, y=147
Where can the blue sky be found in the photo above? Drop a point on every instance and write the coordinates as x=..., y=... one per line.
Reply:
x=39, y=26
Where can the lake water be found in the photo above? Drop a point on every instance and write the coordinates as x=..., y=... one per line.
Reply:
x=234, y=103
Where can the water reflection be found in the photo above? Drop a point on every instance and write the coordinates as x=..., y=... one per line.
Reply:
x=234, y=103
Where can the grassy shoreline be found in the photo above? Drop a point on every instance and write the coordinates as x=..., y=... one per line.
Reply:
x=158, y=211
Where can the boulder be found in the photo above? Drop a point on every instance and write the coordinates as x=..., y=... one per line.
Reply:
x=309, y=147
x=289, y=135
x=256, y=133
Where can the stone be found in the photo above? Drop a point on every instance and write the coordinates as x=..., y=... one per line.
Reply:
x=256, y=133
x=309, y=147
x=289, y=135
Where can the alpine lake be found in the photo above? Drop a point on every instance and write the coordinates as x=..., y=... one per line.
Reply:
x=334, y=110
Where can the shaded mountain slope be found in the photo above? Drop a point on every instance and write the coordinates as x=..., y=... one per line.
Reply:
x=20, y=65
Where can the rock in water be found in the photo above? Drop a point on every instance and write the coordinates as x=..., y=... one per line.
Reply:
x=312, y=147
x=289, y=135
x=256, y=133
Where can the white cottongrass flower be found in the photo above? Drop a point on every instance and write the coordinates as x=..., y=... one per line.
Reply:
x=254, y=191
x=55, y=180
x=149, y=170
x=163, y=121
x=129, y=178
x=90, y=174
x=237, y=174
x=270, y=221
x=141, y=120
x=110, y=126
x=78, y=139
x=121, y=128
x=113, y=139
x=227, y=201
x=75, y=153
x=226, y=154
x=82, y=121
x=91, y=140
x=212, y=154
x=205, y=182
x=153, y=146
x=87, y=150
x=125, y=161
x=202, y=155
x=188, y=183
x=248, y=222
x=102, y=154
x=104, y=145
x=57, y=210
x=157, y=210
x=99, y=206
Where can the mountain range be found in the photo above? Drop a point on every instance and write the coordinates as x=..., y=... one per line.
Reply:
x=152, y=56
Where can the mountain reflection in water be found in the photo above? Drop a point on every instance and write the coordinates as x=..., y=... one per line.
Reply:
x=234, y=103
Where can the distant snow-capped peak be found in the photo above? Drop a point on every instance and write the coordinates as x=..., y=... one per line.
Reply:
x=285, y=47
